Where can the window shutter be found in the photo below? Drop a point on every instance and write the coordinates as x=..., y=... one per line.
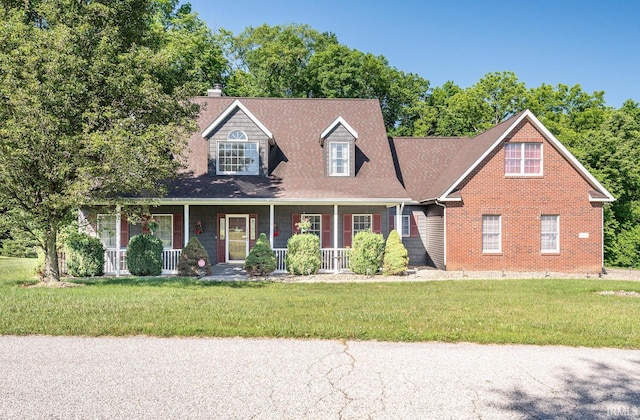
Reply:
x=377, y=223
x=346, y=230
x=392, y=222
x=326, y=231
x=145, y=227
x=177, y=231
x=220, y=248
x=295, y=218
x=252, y=242
x=413, y=225
x=124, y=231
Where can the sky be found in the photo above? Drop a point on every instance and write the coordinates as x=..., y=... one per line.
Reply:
x=593, y=43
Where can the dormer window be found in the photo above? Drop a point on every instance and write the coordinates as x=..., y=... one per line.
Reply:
x=237, y=155
x=339, y=155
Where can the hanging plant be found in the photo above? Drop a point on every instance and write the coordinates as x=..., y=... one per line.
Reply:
x=199, y=228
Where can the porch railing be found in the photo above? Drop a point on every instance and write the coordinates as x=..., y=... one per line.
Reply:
x=332, y=260
x=170, y=258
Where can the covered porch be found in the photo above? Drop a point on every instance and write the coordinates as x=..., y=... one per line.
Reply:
x=228, y=229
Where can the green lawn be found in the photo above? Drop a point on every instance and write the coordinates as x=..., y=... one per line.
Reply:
x=541, y=311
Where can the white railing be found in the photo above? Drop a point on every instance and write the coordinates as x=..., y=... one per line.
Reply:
x=170, y=258
x=281, y=253
x=332, y=260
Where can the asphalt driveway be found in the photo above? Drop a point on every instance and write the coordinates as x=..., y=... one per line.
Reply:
x=149, y=378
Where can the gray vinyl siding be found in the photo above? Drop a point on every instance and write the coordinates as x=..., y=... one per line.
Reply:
x=435, y=236
x=238, y=120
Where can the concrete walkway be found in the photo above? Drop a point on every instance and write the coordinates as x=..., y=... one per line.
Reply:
x=153, y=378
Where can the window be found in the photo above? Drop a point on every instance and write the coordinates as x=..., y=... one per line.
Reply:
x=406, y=226
x=106, y=230
x=237, y=156
x=316, y=223
x=549, y=233
x=491, y=234
x=361, y=222
x=339, y=159
x=165, y=229
x=523, y=159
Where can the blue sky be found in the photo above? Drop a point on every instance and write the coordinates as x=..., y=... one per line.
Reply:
x=592, y=43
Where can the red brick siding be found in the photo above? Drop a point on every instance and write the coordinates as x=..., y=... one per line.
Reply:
x=521, y=201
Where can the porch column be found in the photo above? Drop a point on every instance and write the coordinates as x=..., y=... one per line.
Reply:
x=336, y=265
x=186, y=224
x=271, y=222
x=399, y=220
x=118, y=229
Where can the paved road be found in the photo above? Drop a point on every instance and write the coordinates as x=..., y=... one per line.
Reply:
x=148, y=378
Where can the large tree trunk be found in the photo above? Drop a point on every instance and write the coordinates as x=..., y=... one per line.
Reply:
x=51, y=268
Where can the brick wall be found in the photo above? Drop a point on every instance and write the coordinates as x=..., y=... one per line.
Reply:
x=520, y=201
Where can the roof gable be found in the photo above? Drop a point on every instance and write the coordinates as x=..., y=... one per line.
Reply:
x=236, y=105
x=501, y=131
x=338, y=121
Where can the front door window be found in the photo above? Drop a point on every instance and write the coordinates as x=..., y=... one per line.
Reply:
x=237, y=238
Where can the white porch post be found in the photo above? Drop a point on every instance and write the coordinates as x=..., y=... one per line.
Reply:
x=271, y=223
x=336, y=265
x=118, y=238
x=186, y=224
x=399, y=220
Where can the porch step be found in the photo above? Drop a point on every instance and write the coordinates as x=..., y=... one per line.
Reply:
x=228, y=272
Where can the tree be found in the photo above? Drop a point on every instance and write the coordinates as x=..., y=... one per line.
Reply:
x=261, y=260
x=396, y=257
x=86, y=111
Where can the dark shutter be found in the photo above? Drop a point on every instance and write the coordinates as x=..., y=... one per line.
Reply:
x=295, y=218
x=177, y=231
x=413, y=225
x=377, y=223
x=220, y=248
x=392, y=222
x=326, y=231
x=124, y=231
x=346, y=230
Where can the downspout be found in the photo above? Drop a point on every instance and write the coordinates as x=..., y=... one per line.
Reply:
x=444, y=221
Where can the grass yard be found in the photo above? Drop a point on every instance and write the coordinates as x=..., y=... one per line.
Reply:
x=540, y=311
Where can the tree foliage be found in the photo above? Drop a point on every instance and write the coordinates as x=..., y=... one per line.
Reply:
x=91, y=108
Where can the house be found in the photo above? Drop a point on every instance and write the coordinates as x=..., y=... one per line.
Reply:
x=512, y=198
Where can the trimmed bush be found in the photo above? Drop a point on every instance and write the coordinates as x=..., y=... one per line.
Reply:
x=366, y=253
x=144, y=255
x=191, y=254
x=396, y=256
x=303, y=254
x=84, y=254
x=261, y=260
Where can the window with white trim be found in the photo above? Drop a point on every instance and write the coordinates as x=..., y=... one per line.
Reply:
x=406, y=226
x=523, y=159
x=316, y=223
x=491, y=233
x=339, y=159
x=549, y=233
x=106, y=229
x=164, y=232
x=361, y=222
x=237, y=155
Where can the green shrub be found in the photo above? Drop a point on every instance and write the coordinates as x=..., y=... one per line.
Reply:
x=84, y=254
x=366, y=253
x=396, y=257
x=303, y=254
x=144, y=255
x=191, y=254
x=261, y=260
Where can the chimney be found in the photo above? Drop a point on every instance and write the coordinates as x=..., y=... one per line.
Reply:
x=216, y=91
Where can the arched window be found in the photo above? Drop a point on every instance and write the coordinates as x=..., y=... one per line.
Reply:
x=237, y=135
